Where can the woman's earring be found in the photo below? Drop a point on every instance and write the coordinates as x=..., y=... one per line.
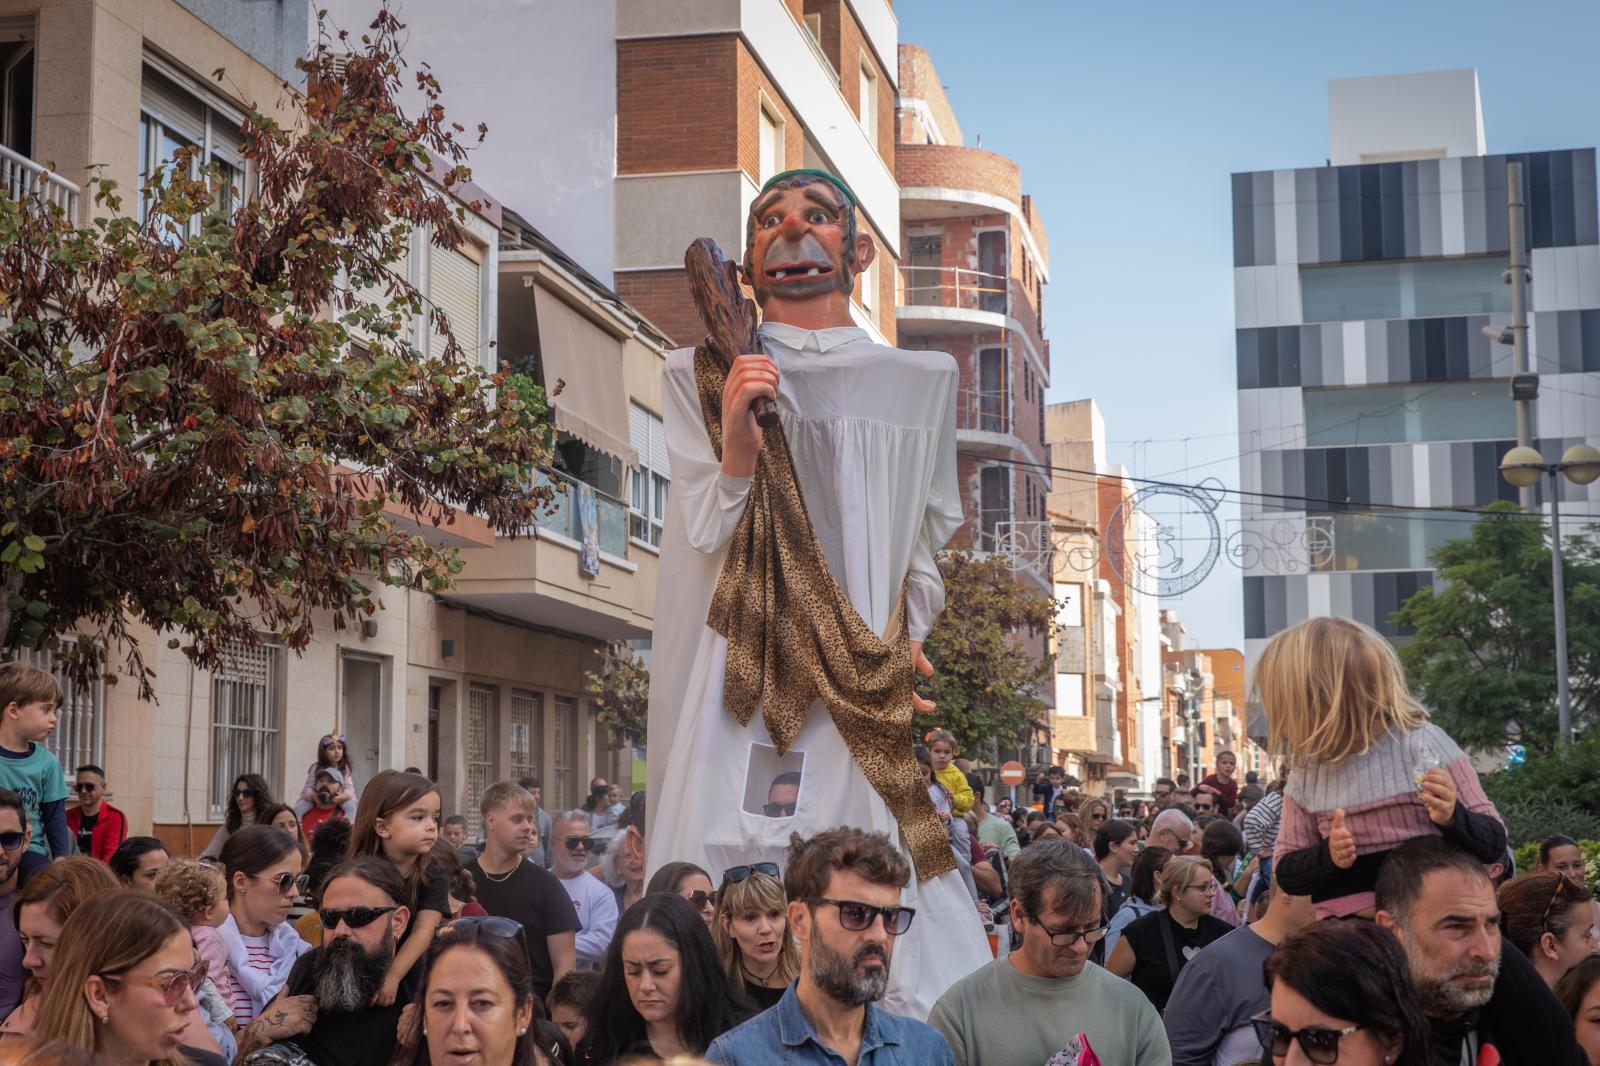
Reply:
x=523, y=1031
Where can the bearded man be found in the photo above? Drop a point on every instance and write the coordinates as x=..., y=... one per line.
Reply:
x=870, y=431
x=362, y=918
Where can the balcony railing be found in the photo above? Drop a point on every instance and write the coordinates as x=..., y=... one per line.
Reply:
x=954, y=287
x=987, y=410
x=21, y=178
x=562, y=516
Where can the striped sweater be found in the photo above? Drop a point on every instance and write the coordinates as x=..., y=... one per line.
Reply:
x=1379, y=793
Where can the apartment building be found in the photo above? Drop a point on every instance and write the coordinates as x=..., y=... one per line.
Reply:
x=1108, y=639
x=1203, y=707
x=1365, y=382
x=483, y=682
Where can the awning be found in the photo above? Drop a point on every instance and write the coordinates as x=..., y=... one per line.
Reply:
x=593, y=404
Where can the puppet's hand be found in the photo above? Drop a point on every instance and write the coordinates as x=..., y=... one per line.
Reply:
x=751, y=377
x=921, y=665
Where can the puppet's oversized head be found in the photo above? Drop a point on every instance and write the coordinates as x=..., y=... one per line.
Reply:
x=802, y=246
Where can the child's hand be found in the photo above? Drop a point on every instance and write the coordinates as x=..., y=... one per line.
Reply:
x=1341, y=842
x=1438, y=794
x=385, y=995
x=944, y=816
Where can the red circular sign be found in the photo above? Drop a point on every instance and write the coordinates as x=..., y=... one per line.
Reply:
x=1012, y=773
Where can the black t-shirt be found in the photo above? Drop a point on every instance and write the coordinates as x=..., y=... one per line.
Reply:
x=86, y=832
x=533, y=896
x=365, y=1038
x=432, y=895
x=1117, y=893
x=1151, y=972
x=763, y=997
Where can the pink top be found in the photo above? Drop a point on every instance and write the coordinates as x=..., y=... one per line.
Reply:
x=208, y=943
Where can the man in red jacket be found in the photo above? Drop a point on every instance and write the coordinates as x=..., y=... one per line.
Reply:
x=97, y=827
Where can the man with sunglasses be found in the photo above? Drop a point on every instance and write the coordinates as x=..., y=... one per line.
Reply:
x=592, y=898
x=511, y=885
x=844, y=909
x=14, y=835
x=1045, y=999
x=362, y=918
x=98, y=828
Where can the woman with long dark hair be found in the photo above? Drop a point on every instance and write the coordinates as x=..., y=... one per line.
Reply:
x=689, y=881
x=662, y=990
x=1143, y=880
x=137, y=861
x=477, y=1002
x=1221, y=844
x=1116, y=849
x=262, y=865
x=251, y=794
x=1343, y=987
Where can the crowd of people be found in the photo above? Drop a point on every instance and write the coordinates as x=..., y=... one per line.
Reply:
x=1361, y=908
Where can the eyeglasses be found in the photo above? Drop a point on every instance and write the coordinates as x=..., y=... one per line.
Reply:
x=288, y=884
x=1320, y=1045
x=700, y=898
x=778, y=810
x=85, y=786
x=1209, y=888
x=1160, y=795
x=11, y=841
x=354, y=917
x=1072, y=936
x=170, y=985
x=734, y=874
x=856, y=917
x=1098, y=816
x=1561, y=887
x=579, y=843
x=252, y=793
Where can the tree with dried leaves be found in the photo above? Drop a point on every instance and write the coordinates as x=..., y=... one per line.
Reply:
x=986, y=688
x=205, y=407
x=620, y=685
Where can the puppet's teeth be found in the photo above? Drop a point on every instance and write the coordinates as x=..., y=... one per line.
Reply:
x=780, y=274
x=813, y=272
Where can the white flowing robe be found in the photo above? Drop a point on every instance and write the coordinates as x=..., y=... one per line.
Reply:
x=872, y=433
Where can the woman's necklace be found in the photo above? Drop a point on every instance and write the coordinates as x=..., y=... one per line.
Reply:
x=761, y=982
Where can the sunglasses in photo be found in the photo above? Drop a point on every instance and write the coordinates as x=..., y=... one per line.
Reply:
x=287, y=883
x=856, y=917
x=1320, y=1045
x=734, y=874
x=170, y=985
x=700, y=899
x=251, y=792
x=354, y=917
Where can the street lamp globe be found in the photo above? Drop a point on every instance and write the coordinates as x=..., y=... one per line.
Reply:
x=1580, y=463
x=1523, y=467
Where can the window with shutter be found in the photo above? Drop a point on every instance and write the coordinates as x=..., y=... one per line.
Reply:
x=173, y=116
x=771, y=153
x=454, y=286
x=868, y=103
x=648, y=497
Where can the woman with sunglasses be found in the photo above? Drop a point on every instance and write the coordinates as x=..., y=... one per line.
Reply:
x=262, y=865
x=1342, y=993
x=138, y=861
x=752, y=932
x=689, y=881
x=478, y=1006
x=1551, y=919
x=662, y=990
x=123, y=984
x=251, y=794
x=1153, y=949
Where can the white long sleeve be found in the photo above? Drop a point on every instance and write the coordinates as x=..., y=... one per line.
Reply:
x=941, y=519
x=712, y=501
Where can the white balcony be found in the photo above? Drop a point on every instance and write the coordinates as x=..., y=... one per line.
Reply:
x=937, y=299
x=21, y=178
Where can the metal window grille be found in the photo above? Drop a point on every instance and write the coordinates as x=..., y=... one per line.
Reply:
x=80, y=720
x=247, y=694
x=483, y=733
x=566, y=745
x=527, y=726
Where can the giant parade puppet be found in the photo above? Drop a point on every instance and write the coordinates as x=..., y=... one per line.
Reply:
x=813, y=479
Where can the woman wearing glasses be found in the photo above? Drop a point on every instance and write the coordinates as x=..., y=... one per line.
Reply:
x=752, y=932
x=262, y=865
x=1341, y=993
x=1550, y=919
x=662, y=990
x=123, y=984
x=1153, y=949
x=692, y=883
x=251, y=795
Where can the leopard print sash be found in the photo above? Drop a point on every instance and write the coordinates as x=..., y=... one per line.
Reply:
x=793, y=636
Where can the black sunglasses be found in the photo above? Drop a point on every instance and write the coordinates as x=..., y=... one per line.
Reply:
x=85, y=786
x=579, y=843
x=11, y=841
x=700, y=898
x=252, y=793
x=354, y=917
x=734, y=874
x=856, y=917
x=1320, y=1045
x=493, y=925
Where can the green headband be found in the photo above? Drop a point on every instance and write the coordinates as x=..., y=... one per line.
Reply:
x=833, y=180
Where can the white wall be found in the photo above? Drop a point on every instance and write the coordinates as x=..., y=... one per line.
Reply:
x=1404, y=116
x=543, y=76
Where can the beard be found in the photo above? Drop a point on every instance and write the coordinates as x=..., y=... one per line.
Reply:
x=1439, y=994
x=841, y=978
x=348, y=976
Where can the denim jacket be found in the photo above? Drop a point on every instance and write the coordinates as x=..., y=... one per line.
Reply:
x=783, y=1035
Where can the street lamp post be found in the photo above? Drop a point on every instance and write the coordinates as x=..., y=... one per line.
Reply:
x=1523, y=467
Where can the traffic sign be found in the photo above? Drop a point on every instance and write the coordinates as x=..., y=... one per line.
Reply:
x=1012, y=773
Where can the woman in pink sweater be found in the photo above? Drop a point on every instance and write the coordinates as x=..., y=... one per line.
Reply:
x=1370, y=771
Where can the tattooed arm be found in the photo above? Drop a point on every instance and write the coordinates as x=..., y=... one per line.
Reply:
x=285, y=1017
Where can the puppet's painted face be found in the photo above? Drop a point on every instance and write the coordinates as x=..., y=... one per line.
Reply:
x=799, y=245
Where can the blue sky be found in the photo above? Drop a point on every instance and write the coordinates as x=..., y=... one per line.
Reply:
x=1127, y=120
